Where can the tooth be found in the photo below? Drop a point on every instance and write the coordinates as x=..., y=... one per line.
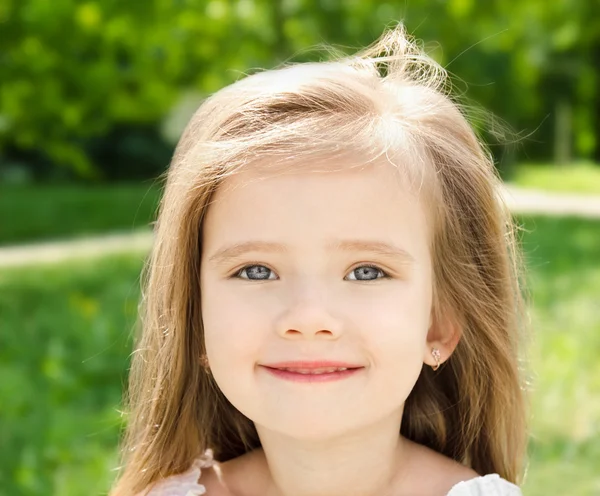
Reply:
x=316, y=371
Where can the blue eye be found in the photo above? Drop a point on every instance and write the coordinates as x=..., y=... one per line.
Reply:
x=262, y=273
x=364, y=271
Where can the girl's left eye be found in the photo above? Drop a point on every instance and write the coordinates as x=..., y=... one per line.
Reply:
x=366, y=270
x=261, y=273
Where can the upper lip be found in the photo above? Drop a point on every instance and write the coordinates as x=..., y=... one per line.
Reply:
x=313, y=364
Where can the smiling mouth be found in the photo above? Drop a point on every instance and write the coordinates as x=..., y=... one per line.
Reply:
x=324, y=370
x=312, y=375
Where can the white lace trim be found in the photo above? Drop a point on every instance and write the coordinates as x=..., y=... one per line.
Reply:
x=487, y=485
x=187, y=483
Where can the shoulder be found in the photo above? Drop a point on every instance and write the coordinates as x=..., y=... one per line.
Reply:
x=445, y=476
x=433, y=473
x=246, y=475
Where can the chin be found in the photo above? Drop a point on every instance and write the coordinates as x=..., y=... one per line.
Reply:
x=310, y=433
x=306, y=425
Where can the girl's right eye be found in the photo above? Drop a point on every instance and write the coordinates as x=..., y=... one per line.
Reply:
x=260, y=271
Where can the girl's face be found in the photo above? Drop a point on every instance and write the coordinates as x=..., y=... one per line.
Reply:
x=316, y=266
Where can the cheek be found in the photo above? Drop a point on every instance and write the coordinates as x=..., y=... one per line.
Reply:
x=232, y=328
x=233, y=333
x=397, y=344
x=394, y=324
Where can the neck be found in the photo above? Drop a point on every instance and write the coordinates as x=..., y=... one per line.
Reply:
x=363, y=463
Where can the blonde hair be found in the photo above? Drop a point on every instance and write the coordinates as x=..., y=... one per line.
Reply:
x=390, y=99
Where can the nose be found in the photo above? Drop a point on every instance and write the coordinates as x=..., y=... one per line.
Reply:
x=308, y=317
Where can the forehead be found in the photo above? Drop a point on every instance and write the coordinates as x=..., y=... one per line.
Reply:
x=319, y=170
x=314, y=203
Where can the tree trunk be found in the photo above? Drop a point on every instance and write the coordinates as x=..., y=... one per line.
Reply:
x=562, y=132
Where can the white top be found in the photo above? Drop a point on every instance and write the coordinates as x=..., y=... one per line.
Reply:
x=188, y=483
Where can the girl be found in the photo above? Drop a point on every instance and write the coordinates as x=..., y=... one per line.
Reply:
x=331, y=306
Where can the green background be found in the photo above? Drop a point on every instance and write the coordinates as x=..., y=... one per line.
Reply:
x=93, y=96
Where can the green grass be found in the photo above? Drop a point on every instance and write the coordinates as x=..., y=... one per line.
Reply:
x=44, y=212
x=563, y=257
x=582, y=177
x=65, y=345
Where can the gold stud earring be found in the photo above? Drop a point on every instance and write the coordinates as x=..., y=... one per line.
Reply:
x=437, y=356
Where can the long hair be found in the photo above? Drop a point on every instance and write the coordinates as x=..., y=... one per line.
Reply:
x=388, y=100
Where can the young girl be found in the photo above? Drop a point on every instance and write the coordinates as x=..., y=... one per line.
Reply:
x=332, y=304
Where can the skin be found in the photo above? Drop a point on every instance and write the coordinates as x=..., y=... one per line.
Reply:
x=316, y=301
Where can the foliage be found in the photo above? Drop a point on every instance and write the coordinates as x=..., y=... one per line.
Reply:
x=65, y=342
x=81, y=76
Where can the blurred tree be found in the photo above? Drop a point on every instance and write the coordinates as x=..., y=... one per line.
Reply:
x=75, y=71
x=80, y=76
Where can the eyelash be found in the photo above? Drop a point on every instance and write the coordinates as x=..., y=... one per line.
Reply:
x=236, y=274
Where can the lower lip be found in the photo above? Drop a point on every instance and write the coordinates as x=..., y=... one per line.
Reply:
x=325, y=377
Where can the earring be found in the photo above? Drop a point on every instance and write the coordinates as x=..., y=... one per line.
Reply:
x=436, y=355
x=204, y=362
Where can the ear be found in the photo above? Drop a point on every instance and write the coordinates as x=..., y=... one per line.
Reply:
x=445, y=331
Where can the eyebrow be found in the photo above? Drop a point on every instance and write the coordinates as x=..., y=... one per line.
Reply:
x=234, y=251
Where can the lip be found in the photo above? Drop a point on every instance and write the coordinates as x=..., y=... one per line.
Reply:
x=311, y=365
x=312, y=378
